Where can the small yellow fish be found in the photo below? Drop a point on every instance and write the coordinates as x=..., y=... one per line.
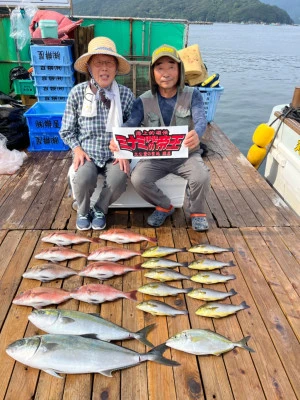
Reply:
x=159, y=251
x=208, y=249
x=165, y=274
x=162, y=289
x=156, y=307
x=211, y=277
x=162, y=263
x=219, y=310
x=210, y=294
x=208, y=264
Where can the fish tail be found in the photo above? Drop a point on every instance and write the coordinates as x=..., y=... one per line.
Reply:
x=230, y=249
x=138, y=267
x=142, y=335
x=244, y=305
x=188, y=290
x=183, y=249
x=131, y=295
x=231, y=264
x=184, y=264
x=151, y=239
x=232, y=292
x=243, y=343
x=96, y=240
x=156, y=354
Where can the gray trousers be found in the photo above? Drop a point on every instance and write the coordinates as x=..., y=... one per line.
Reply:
x=84, y=182
x=193, y=169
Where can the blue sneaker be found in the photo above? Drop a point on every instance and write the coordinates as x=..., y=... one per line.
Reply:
x=83, y=222
x=158, y=217
x=99, y=220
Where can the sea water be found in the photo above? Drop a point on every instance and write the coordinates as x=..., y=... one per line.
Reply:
x=259, y=67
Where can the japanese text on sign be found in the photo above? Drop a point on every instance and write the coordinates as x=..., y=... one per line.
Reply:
x=154, y=142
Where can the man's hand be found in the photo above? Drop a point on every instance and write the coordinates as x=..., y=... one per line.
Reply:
x=191, y=140
x=79, y=157
x=113, y=146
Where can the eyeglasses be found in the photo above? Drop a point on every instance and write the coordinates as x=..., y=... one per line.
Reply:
x=107, y=64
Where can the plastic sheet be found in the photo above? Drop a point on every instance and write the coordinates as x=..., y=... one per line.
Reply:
x=10, y=160
x=20, y=19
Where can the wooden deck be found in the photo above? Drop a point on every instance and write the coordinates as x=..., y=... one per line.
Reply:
x=244, y=212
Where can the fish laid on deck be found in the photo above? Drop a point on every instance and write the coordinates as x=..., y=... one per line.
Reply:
x=99, y=293
x=165, y=274
x=162, y=263
x=70, y=354
x=160, y=251
x=210, y=294
x=204, y=341
x=112, y=254
x=208, y=249
x=220, y=310
x=156, y=307
x=56, y=254
x=41, y=296
x=208, y=264
x=107, y=269
x=65, y=239
x=49, y=272
x=162, y=289
x=211, y=277
x=70, y=322
x=125, y=236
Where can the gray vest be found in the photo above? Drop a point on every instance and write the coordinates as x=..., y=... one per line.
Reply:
x=181, y=114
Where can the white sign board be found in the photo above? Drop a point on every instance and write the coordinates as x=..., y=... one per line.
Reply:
x=37, y=3
x=151, y=142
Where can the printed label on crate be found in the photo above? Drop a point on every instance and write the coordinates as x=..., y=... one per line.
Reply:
x=50, y=123
x=46, y=140
x=154, y=142
x=50, y=70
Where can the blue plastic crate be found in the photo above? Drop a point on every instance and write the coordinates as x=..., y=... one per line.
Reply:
x=44, y=122
x=54, y=80
x=57, y=91
x=51, y=55
x=211, y=97
x=53, y=70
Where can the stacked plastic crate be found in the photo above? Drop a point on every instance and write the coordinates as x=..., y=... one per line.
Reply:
x=54, y=77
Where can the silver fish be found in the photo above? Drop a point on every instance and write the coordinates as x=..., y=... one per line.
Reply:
x=162, y=263
x=49, y=272
x=208, y=249
x=70, y=322
x=66, y=238
x=96, y=293
x=41, y=296
x=219, y=310
x=70, y=354
x=55, y=254
x=210, y=294
x=108, y=253
x=160, y=251
x=211, y=277
x=208, y=264
x=118, y=235
x=165, y=274
x=204, y=341
x=162, y=289
x=156, y=307
x=106, y=269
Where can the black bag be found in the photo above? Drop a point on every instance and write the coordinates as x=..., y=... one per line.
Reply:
x=18, y=73
x=13, y=123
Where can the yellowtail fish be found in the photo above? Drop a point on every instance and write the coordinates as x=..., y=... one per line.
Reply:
x=71, y=322
x=159, y=251
x=165, y=274
x=125, y=236
x=162, y=263
x=72, y=354
x=162, y=289
x=107, y=269
x=208, y=249
x=219, y=310
x=66, y=238
x=211, y=277
x=56, y=254
x=208, y=264
x=204, y=341
x=156, y=307
x=41, y=296
x=108, y=253
x=49, y=272
x=210, y=294
x=97, y=293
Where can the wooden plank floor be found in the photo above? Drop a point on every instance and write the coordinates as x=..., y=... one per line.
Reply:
x=244, y=212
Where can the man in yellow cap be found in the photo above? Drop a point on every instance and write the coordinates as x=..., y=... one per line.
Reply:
x=170, y=103
x=92, y=109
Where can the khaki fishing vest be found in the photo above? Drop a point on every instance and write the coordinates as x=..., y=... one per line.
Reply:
x=182, y=114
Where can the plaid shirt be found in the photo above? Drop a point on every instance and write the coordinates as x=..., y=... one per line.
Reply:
x=90, y=132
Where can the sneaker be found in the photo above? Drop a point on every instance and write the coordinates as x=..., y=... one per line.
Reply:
x=199, y=223
x=83, y=222
x=158, y=217
x=99, y=220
